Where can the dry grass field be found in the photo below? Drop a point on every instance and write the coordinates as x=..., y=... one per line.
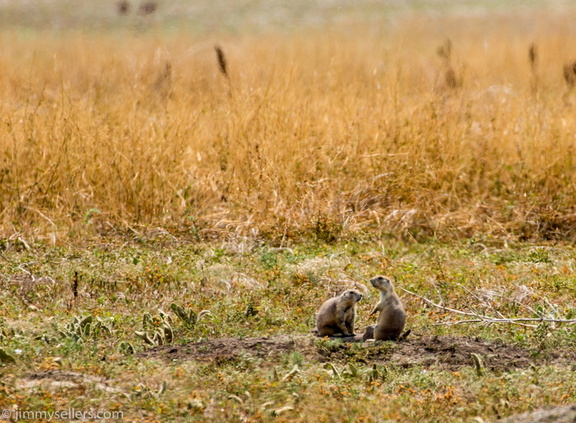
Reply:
x=177, y=200
x=369, y=132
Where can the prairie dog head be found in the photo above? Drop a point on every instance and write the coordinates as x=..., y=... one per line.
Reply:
x=351, y=296
x=383, y=284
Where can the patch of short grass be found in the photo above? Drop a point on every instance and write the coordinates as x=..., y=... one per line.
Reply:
x=252, y=296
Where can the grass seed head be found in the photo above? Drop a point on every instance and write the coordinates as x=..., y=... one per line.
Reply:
x=570, y=74
x=445, y=51
x=148, y=8
x=533, y=56
x=222, y=64
x=123, y=7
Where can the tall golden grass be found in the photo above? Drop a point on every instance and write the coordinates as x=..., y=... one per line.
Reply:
x=320, y=134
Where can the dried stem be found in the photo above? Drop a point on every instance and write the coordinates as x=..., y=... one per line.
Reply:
x=481, y=318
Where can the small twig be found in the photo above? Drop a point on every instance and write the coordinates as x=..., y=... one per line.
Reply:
x=41, y=214
x=489, y=319
x=75, y=283
x=26, y=271
x=480, y=300
x=440, y=306
x=518, y=303
x=74, y=287
x=458, y=322
x=552, y=307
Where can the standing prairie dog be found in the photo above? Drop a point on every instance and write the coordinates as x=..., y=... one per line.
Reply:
x=392, y=317
x=337, y=315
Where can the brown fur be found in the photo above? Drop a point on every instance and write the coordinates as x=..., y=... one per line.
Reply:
x=368, y=333
x=337, y=315
x=392, y=317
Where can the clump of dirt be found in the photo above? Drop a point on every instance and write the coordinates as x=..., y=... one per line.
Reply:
x=447, y=352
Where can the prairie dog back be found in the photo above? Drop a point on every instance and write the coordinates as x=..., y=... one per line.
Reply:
x=337, y=315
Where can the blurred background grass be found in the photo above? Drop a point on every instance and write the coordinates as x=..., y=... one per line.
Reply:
x=344, y=120
x=245, y=15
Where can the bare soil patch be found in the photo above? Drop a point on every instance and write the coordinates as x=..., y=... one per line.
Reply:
x=54, y=380
x=226, y=349
x=447, y=352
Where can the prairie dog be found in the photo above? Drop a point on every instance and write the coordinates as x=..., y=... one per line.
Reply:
x=337, y=315
x=368, y=333
x=392, y=317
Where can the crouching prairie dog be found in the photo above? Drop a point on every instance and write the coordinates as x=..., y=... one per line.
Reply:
x=337, y=315
x=392, y=317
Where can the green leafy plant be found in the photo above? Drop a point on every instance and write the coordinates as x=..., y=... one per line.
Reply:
x=160, y=328
x=82, y=328
x=5, y=357
x=189, y=318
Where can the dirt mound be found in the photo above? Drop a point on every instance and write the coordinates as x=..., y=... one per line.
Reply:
x=226, y=349
x=448, y=352
x=453, y=352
